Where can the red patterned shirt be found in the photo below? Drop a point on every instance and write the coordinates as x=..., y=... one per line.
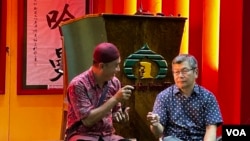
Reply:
x=83, y=96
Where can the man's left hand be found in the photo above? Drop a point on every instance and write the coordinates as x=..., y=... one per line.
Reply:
x=121, y=115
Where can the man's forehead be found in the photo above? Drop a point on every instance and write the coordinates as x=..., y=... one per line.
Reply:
x=183, y=64
x=117, y=61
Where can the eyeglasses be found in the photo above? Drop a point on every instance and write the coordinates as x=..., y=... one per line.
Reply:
x=183, y=71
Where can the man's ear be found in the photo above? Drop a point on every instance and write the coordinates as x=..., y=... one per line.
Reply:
x=197, y=71
x=101, y=65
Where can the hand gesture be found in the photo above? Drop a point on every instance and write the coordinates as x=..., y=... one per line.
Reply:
x=124, y=93
x=154, y=119
x=122, y=115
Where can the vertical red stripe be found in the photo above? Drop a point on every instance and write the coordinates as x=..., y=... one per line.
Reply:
x=230, y=60
x=195, y=31
x=245, y=76
x=20, y=41
x=145, y=5
x=169, y=7
x=98, y=6
x=118, y=6
x=151, y=6
x=3, y=45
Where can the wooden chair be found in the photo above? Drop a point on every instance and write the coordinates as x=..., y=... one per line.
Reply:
x=65, y=85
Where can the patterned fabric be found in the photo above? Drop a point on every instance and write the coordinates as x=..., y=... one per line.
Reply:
x=83, y=96
x=187, y=117
x=96, y=138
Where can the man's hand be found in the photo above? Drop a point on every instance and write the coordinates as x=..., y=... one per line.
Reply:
x=121, y=115
x=154, y=119
x=124, y=93
x=155, y=125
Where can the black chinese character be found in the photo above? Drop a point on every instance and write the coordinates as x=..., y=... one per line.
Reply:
x=56, y=64
x=52, y=20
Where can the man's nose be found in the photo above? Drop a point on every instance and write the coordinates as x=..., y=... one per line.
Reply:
x=118, y=68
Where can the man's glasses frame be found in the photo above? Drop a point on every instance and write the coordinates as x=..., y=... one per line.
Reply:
x=183, y=71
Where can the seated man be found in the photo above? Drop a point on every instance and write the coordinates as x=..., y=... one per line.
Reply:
x=95, y=98
x=185, y=111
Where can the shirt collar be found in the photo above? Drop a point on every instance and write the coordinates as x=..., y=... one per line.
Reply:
x=195, y=92
x=92, y=79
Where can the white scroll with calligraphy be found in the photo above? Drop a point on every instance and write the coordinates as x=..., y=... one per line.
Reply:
x=44, y=44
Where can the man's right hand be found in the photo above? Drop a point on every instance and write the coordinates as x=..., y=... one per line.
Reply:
x=154, y=119
x=124, y=93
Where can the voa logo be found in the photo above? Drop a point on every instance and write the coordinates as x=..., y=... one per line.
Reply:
x=236, y=132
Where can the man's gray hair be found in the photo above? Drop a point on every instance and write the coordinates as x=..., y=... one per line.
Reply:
x=186, y=57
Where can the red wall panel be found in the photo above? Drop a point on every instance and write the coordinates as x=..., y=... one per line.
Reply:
x=245, y=79
x=195, y=31
x=230, y=59
x=3, y=6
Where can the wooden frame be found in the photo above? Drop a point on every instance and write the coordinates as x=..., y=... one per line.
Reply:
x=22, y=87
x=3, y=5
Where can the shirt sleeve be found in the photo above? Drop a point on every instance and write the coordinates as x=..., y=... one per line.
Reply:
x=79, y=100
x=213, y=113
x=116, y=84
x=160, y=107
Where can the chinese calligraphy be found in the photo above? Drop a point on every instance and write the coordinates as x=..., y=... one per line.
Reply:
x=53, y=22
x=42, y=61
x=52, y=17
x=35, y=30
x=56, y=64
